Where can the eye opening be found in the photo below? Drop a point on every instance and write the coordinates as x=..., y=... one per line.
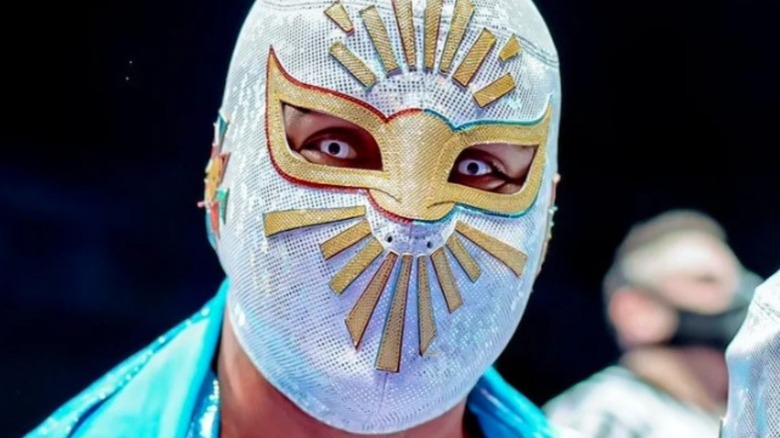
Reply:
x=494, y=167
x=328, y=140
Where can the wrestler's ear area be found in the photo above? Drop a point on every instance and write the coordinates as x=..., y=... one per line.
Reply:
x=556, y=180
x=329, y=140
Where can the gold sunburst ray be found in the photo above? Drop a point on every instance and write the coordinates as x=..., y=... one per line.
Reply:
x=339, y=15
x=345, y=239
x=356, y=266
x=389, y=356
x=425, y=319
x=464, y=10
x=281, y=221
x=510, y=256
x=449, y=287
x=380, y=39
x=464, y=258
x=361, y=312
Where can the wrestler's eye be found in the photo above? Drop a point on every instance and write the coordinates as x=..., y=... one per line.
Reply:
x=331, y=141
x=472, y=167
x=495, y=167
x=336, y=148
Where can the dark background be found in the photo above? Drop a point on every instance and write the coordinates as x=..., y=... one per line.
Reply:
x=109, y=108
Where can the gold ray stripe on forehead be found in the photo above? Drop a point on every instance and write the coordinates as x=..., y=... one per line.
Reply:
x=474, y=59
x=425, y=320
x=495, y=90
x=464, y=10
x=281, y=221
x=356, y=266
x=381, y=40
x=339, y=15
x=447, y=282
x=511, y=49
x=345, y=239
x=404, y=17
x=358, y=317
x=432, y=24
x=389, y=358
x=464, y=258
x=511, y=257
x=354, y=65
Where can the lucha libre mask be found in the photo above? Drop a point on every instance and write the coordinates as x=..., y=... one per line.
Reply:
x=375, y=296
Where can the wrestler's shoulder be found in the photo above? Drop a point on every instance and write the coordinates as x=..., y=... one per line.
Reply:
x=149, y=373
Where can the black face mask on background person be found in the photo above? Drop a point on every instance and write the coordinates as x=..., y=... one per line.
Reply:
x=716, y=330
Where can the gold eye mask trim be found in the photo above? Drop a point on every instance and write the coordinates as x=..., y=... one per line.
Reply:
x=418, y=148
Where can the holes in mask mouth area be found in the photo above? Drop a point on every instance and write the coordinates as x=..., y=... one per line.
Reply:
x=494, y=167
x=389, y=239
x=329, y=140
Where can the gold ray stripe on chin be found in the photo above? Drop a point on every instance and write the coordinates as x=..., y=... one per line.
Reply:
x=512, y=257
x=389, y=357
x=280, y=221
x=360, y=315
x=345, y=239
x=426, y=321
x=464, y=258
x=446, y=280
x=356, y=266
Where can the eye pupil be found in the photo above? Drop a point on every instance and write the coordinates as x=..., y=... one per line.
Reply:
x=334, y=148
x=472, y=168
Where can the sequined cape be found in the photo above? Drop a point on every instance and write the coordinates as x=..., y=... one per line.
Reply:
x=158, y=392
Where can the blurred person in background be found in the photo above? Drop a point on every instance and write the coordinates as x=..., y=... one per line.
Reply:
x=675, y=296
x=753, y=359
x=381, y=220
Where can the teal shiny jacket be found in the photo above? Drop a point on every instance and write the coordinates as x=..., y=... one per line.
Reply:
x=158, y=391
